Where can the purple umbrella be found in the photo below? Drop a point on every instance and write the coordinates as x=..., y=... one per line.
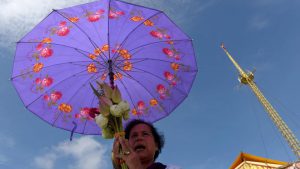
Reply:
x=139, y=49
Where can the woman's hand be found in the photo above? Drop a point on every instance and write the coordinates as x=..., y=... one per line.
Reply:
x=128, y=155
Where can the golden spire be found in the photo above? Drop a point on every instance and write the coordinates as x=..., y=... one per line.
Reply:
x=248, y=79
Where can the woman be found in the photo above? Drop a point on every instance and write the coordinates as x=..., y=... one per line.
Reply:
x=141, y=147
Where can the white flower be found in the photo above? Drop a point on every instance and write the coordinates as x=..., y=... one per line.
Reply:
x=101, y=121
x=124, y=105
x=116, y=110
x=126, y=115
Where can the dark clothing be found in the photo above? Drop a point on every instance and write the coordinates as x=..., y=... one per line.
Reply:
x=157, y=166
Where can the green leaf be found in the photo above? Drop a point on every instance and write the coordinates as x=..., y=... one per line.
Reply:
x=95, y=91
x=116, y=95
x=107, y=89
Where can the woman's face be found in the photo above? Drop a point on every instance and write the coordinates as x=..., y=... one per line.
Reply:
x=142, y=142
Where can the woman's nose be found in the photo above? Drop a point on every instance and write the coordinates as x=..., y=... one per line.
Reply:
x=139, y=137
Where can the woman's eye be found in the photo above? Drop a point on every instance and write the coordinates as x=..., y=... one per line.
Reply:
x=146, y=134
x=133, y=136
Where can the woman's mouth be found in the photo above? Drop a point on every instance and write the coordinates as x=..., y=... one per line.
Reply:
x=139, y=148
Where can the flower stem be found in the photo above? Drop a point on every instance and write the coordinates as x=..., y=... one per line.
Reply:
x=119, y=129
x=116, y=125
x=124, y=166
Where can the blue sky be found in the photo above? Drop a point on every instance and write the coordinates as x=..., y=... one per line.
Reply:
x=217, y=121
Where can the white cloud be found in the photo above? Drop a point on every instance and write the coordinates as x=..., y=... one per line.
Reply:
x=258, y=23
x=269, y=2
x=179, y=10
x=6, y=141
x=85, y=152
x=204, y=6
x=208, y=163
x=3, y=159
x=18, y=17
x=46, y=161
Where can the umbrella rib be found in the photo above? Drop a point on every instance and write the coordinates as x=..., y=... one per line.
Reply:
x=49, y=67
x=122, y=43
x=90, y=39
x=57, y=45
x=53, y=123
x=91, y=105
x=128, y=93
x=121, y=61
x=144, y=71
x=76, y=49
x=54, y=86
x=92, y=42
x=102, y=53
x=77, y=64
x=195, y=61
x=37, y=24
x=145, y=59
x=94, y=60
x=130, y=77
x=147, y=44
x=177, y=26
x=98, y=36
x=120, y=30
x=108, y=20
x=138, y=5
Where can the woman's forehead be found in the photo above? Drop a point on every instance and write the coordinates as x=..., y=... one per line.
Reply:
x=140, y=128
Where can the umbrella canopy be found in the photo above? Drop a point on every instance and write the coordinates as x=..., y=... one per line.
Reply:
x=139, y=49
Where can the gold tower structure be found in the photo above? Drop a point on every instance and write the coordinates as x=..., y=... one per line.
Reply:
x=247, y=78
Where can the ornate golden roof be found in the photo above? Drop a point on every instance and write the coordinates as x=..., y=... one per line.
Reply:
x=255, y=160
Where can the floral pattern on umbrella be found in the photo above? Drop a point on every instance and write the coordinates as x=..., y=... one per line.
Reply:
x=152, y=61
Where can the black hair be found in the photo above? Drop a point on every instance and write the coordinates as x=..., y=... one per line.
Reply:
x=158, y=137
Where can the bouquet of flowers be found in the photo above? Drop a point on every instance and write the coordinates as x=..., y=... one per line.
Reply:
x=113, y=110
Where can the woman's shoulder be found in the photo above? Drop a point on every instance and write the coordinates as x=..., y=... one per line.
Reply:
x=159, y=165
x=173, y=167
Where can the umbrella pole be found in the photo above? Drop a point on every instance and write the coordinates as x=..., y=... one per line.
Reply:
x=119, y=128
x=110, y=74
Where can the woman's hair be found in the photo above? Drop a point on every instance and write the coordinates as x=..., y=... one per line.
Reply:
x=158, y=137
